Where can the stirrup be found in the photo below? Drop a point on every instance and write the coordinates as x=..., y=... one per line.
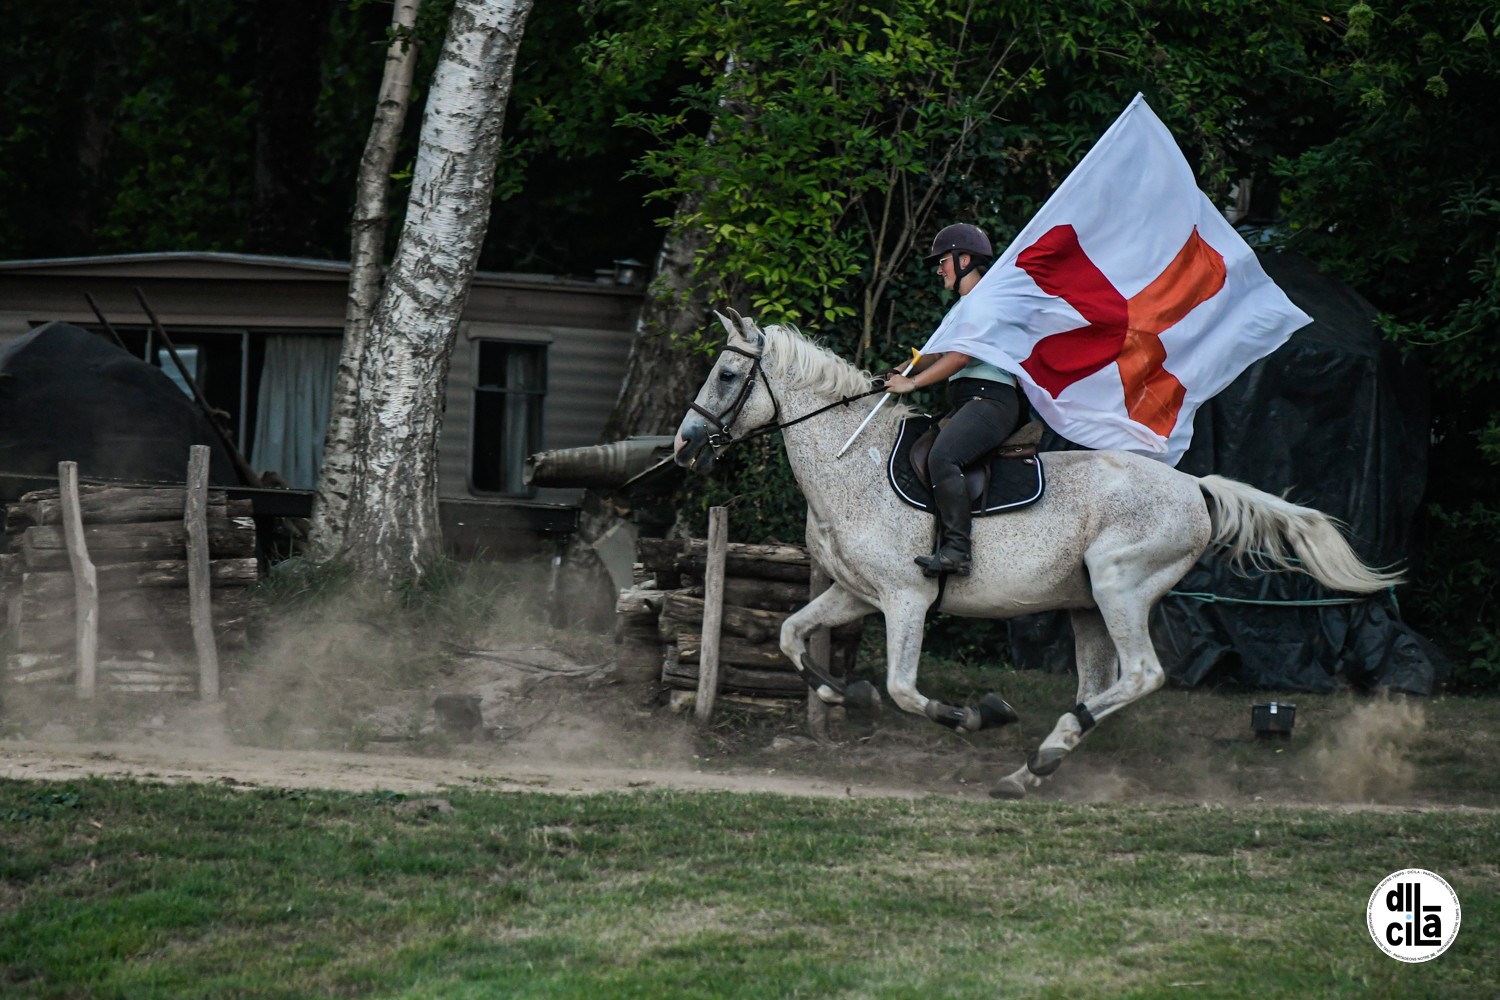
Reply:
x=937, y=564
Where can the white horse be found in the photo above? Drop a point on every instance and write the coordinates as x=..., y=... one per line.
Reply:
x=1112, y=533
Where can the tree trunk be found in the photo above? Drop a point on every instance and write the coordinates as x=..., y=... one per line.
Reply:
x=289, y=37
x=366, y=260
x=77, y=218
x=392, y=532
x=660, y=380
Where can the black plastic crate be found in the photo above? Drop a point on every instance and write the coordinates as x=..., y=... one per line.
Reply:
x=1273, y=720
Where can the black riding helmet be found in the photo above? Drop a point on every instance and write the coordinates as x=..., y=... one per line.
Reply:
x=959, y=238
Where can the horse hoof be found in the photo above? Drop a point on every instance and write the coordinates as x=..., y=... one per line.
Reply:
x=1008, y=788
x=862, y=695
x=960, y=720
x=996, y=711
x=1044, y=762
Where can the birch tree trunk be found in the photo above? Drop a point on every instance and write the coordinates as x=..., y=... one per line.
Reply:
x=392, y=532
x=366, y=259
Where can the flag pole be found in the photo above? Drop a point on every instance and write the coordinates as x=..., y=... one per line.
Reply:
x=915, y=357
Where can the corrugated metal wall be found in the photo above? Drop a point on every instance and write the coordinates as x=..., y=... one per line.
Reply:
x=587, y=327
x=584, y=368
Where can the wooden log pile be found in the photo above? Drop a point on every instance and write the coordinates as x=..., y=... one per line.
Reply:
x=137, y=543
x=659, y=622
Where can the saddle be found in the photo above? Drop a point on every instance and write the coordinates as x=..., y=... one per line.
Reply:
x=1007, y=478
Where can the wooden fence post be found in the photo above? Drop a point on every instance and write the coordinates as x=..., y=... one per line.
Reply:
x=200, y=586
x=713, y=613
x=85, y=580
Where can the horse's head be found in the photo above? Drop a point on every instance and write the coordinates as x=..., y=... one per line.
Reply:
x=735, y=399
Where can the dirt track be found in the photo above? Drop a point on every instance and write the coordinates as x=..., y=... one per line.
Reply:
x=259, y=767
x=554, y=725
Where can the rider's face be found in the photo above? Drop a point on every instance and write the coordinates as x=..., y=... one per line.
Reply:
x=946, y=269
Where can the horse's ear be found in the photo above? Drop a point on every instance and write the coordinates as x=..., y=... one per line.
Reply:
x=731, y=326
x=751, y=332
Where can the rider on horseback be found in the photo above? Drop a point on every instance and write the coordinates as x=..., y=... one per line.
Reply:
x=985, y=404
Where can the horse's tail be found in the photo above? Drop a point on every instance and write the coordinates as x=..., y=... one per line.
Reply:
x=1273, y=534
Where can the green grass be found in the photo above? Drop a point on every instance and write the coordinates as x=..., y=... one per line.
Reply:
x=130, y=890
x=135, y=890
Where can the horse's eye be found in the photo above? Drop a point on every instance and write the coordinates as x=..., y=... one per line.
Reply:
x=727, y=376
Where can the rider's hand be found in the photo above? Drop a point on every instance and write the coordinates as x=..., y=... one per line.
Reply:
x=900, y=384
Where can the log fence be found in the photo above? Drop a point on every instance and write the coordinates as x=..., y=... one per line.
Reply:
x=667, y=627
x=132, y=589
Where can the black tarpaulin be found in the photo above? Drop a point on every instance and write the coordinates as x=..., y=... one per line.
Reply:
x=1334, y=420
x=67, y=395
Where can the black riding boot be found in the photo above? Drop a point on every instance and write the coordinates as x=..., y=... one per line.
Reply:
x=951, y=500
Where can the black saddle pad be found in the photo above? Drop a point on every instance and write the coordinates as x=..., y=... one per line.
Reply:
x=1014, y=482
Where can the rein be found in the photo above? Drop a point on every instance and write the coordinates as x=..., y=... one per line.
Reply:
x=724, y=435
x=841, y=401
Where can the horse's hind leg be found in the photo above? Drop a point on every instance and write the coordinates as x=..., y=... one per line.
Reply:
x=833, y=607
x=1098, y=671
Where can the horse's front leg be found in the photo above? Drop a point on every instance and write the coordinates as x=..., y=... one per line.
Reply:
x=904, y=621
x=1098, y=667
x=830, y=609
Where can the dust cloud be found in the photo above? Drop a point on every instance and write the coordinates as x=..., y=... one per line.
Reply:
x=1366, y=758
x=341, y=687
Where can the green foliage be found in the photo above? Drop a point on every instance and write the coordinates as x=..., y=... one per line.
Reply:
x=1456, y=602
x=755, y=482
x=566, y=200
x=807, y=115
x=813, y=142
x=824, y=141
x=1401, y=201
x=43, y=804
x=125, y=145
x=133, y=127
x=168, y=186
x=300, y=582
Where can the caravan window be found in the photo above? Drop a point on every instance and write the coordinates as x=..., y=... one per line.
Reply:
x=510, y=384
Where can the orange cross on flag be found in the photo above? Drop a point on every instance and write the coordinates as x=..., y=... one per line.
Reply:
x=1127, y=301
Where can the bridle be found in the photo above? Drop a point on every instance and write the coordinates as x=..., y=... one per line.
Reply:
x=723, y=435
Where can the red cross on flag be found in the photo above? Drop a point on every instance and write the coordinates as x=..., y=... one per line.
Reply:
x=1127, y=301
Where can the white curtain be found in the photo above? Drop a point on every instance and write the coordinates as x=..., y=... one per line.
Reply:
x=296, y=384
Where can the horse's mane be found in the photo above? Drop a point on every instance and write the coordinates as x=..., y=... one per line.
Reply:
x=791, y=358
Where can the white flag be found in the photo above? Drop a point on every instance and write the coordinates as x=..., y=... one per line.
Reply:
x=1127, y=301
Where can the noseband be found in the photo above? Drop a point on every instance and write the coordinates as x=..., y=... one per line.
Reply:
x=723, y=434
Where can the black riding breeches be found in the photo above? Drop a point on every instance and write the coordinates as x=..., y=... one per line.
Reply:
x=976, y=426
